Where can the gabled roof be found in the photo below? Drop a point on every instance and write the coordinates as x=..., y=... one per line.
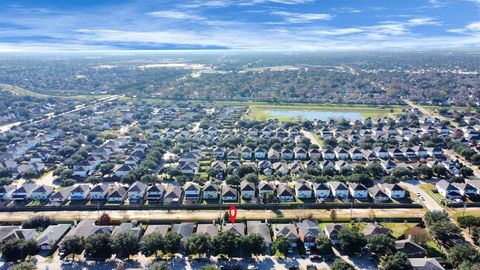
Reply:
x=81, y=189
x=209, y=229
x=156, y=188
x=284, y=190
x=52, y=234
x=100, y=188
x=371, y=229
x=247, y=186
x=336, y=185
x=184, y=229
x=303, y=186
x=263, y=185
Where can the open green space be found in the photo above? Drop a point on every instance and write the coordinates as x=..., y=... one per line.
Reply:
x=398, y=228
x=260, y=112
x=25, y=92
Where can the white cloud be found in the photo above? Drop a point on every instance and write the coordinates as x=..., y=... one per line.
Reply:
x=422, y=21
x=337, y=31
x=475, y=26
x=292, y=17
x=175, y=14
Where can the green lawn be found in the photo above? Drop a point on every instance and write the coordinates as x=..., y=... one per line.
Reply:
x=258, y=112
x=398, y=228
x=433, y=250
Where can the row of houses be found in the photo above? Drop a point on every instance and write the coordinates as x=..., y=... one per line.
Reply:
x=338, y=153
x=192, y=192
x=458, y=191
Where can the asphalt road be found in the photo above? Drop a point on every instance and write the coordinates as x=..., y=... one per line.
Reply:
x=414, y=188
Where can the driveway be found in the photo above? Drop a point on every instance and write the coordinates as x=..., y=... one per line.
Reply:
x=414, y=188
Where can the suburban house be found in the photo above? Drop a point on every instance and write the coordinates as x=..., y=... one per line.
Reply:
x=237, y=228
x=332, y=230
x=24, y=192
x=377, y=194
x=117, y=195
x=308, y=231
x=358, y=191
x=184, y=229
x=229, y=194
x=6, y=192
x=51, y=236
x=80, y=193
x=394, y=191
x=265, y=188
x=425, y=264
x=303, y=190
x=210, y=191
x=372, y=229
x=247, y=189
x=410, y=248
x=173, y=194
x=287, y=230
x=192, y=192
x=208, y=229
x=285, y=193
x=321, y=190
x=99, y=192
x=339, y=189
x=60, y=196
x=137, y=191
x=263, y=230
x=41, y=193
x=155, y=192
x=447, y=190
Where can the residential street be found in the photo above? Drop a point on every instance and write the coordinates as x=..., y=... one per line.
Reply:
x=414, y=188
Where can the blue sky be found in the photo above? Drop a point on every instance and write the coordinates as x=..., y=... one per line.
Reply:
x=39, y=25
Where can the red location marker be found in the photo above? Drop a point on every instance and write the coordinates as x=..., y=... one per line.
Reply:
x=232, y=212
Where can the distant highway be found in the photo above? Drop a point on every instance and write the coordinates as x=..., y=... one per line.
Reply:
x=78, y=108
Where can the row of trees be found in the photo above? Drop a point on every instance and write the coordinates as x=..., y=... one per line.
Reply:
x=102, y=246
x=462, y=256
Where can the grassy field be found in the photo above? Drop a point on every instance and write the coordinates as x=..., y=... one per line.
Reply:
x=343, y=215
x=21, y=91
x=25, y=92
x=259, y=112
x=398, y=228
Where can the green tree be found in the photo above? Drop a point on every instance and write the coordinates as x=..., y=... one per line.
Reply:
x=466, y=171
x=323, y=245
x=18, y=249
x=172, y=241
x=435, y=216
x=398, y=261
x=73, y=245
x=152, y=244
x=444, y=230
x=125, y=245
x=463, y=253
x=37, y=222
x=106, y=168
x=198, y=243
x=226, y=242
x=468, y=222
x=340, y=264
x=252, y=244
x=281, y=244
x=351, y=240
x=440, y=170
x=99, y=246
x=380, y=244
